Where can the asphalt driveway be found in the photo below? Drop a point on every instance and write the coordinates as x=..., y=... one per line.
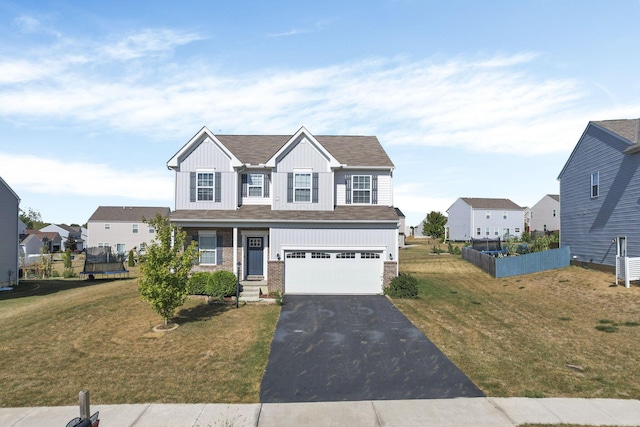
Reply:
x=336, y=348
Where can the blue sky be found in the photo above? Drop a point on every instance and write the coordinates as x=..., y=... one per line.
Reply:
x=469, y=98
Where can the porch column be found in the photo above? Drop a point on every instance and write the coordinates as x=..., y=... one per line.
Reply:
x=235, y=250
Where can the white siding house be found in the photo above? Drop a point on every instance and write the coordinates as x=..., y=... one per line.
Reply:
x=300, y=213
x=122, y=228
x=545, y=215
x=482, y=218
x=9, y=207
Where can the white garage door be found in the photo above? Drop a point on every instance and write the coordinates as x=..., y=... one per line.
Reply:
x=332, y=272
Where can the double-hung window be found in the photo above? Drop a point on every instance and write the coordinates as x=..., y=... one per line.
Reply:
x=361, y=189
x=255, y=185
x=120, y=248
x=134, y=228
x=595, y=184
x=204, y=186
x=302, y=187
x=207, y=248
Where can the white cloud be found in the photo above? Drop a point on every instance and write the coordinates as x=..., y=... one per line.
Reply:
x=148, y=41
x=494, y=103
x=33, y=174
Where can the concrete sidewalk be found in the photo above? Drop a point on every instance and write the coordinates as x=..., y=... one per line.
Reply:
x=475, y=411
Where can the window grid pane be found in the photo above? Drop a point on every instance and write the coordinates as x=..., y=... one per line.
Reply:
x=205, y=186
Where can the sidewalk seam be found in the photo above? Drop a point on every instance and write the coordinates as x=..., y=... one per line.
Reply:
x=258, y=417
x=375, y=411
x=33, y=409
x=502, y=410
x=140, y=416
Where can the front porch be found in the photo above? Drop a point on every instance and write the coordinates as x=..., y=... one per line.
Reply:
x=242, y=251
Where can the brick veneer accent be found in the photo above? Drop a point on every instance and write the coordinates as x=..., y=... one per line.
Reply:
x=276, y=276
x=227, y=251
x=390, y=268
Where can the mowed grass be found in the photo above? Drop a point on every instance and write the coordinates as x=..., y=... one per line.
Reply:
x=532, y=335
x=61, y=336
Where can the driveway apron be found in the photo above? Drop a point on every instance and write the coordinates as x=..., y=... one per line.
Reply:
x=339, y=348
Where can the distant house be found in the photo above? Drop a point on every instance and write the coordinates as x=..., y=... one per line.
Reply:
x=401, y=228
x=66, y=231
x=545, y=215
x=600, y=192
x=481, y=218
x=9, y=207
x=50, y=239
x=122, y=228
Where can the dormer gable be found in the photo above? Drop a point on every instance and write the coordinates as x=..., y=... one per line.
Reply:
x=305, y=137
x=203, y=136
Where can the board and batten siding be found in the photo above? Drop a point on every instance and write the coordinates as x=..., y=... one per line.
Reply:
x=335, y=237
x=8, y=236
x=385, y=191
x=590, y=225
x=207, y=155
x=325, y=193
x=228, y=190
x=302, y=155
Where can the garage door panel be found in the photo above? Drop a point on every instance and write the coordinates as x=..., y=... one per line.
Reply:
x=317, y=272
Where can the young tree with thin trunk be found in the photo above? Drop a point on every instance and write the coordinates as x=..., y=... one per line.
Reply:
x=434, y=225
x=165, y=268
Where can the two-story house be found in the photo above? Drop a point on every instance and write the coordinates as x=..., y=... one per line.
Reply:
x=66, y=233
x=122, y=228
x=600, y=192
x=9, y=262
x=545, y=215
x=304, y=213
x=482, y=218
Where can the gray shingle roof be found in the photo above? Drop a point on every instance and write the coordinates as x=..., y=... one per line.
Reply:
x=128, y=213
x=264, y=213
x=349, y=150
x=625, y=128
x=555, y=197
x=482, y=203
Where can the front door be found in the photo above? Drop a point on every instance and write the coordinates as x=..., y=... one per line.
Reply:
x=255, y=265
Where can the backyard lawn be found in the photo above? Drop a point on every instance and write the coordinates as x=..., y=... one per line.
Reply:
x=61, y=336
x=562, y=333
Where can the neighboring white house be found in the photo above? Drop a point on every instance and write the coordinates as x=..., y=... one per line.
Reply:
x=65, y=231
x=306, y=214
x=9, y=263
x=545, y=215
x=122, y=228
x=482, y=218
x=402, y=226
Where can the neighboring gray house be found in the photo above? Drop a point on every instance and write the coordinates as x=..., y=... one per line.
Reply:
x=599, y=194
x=301, y=213
x=481, y=218
x=545, y=215
x=9, y=207
x=65, y=231
x=122, y=228
x=33, y=245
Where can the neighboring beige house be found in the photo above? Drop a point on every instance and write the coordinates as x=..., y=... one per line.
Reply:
x=122, y=228
x=545, y=215
x=301, y=213
x=9, y=207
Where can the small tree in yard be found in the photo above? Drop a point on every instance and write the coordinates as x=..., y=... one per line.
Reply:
x=165, y=268
x=434, y=225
